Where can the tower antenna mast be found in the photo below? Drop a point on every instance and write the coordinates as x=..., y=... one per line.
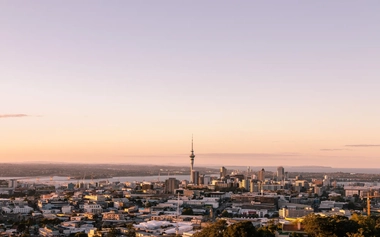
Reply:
x=192, y=156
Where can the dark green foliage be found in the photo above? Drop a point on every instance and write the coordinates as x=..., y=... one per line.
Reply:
x=339, y=226
x=215, y=230
x=225, y=214
x=369, y=226
x=187, y=211
x=139, y=203
x=113, y=233
x=267, y=231
x=81, y=234
x=352, y=206
x=294, y=234
x=131, y=231
x=21, y=227
x=314, y=226
x=241, y=229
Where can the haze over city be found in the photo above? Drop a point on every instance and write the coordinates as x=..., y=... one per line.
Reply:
x=289, y=83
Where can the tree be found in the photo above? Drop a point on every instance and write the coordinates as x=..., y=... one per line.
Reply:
x=81, y=234
x=339, y=226
x=131, y=231
x=316, y=225
x=294, y=234
x=139, y=203
x=214, y=230
x=225, y=214
x=187, y=211
x=268, y=230
x=21, y=228
x=366, y=224
x=275, y=215
x=337, y=199
x=240, y=229
x=351, y=206
x=112, y=233
x=359, y=234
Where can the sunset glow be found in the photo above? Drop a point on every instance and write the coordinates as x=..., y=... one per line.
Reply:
x=130, y=82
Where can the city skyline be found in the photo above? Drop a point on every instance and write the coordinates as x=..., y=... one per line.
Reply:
x=257, y=83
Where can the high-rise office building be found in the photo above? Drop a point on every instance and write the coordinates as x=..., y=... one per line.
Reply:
x=261, y=175
x=223, y=172
x=245, y=183
x=206, y=179
x=252, y=186
x=201, y=179
x=171, y=184
x=280, y=173
x=326, y=180
x=195, y=177
x=12, y=183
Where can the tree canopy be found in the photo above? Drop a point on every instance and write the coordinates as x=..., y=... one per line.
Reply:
x=313, y=225
x=340, y=226
x=187, y=211
x=240, y=229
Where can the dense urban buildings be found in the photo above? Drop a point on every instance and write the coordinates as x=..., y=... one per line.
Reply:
x=183, y=207
x=149, y=208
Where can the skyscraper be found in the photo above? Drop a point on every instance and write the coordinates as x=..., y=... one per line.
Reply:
x=171, y=184
x=261, y=175
x=245, y=183
x=251, y=186
x=223, y=172
x=192, y=156
x=195, y=177
x=201, y=179
x=280, y=173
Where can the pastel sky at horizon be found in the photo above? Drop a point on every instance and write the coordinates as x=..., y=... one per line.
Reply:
x=258, y=83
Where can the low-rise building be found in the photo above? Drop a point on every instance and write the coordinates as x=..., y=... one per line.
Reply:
x=112, y=215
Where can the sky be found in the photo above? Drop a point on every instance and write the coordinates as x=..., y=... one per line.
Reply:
x=257, y=83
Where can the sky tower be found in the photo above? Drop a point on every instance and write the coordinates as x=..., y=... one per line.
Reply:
x=192, y=156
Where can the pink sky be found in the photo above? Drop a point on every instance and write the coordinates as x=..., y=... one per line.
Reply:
x=257, y=83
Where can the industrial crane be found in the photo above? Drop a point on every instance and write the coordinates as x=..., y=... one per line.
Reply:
x=369, y=202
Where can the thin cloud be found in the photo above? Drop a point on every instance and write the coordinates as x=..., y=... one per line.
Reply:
x=219, y=154
x=334, y=149
x=13, y=115
x=252, y=154
x=364, y=145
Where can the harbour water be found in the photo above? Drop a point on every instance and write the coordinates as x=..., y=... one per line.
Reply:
x=61, y=180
